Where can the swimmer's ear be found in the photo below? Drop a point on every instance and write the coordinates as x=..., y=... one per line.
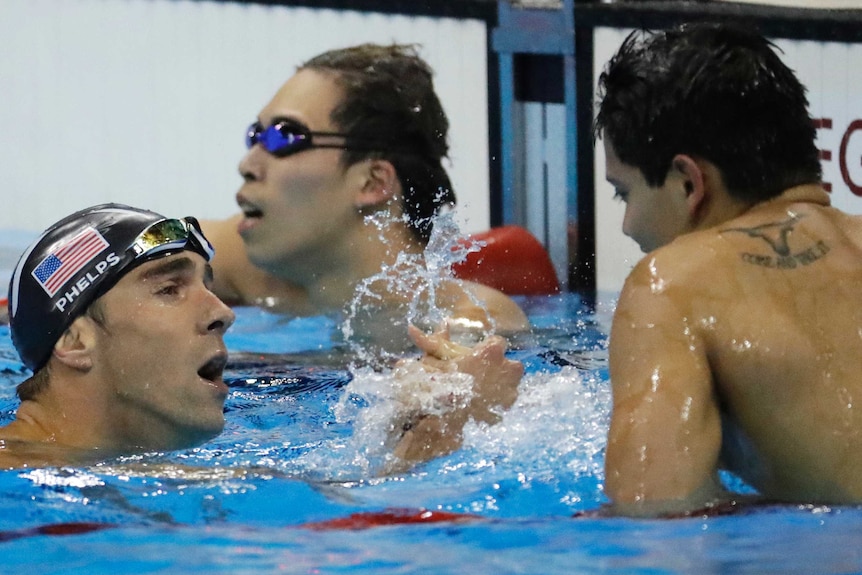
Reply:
x=381, y=184
x=693, y=182
x=75, y=347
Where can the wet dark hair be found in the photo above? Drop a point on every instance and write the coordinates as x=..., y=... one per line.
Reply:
x=389, y=98
x=711, y=91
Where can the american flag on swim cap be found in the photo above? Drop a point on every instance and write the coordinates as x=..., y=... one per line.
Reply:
x=66, y=260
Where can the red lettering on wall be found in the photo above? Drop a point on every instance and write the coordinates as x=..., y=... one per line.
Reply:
x=825, y=155
x=855, y=126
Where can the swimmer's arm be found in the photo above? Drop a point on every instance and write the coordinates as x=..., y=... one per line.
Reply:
x=426, y=437
x=665, y=436
x=494, y=388
x=496, y=309
x=508, y=316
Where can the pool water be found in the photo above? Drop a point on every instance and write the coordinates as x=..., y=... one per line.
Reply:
x=292, y=485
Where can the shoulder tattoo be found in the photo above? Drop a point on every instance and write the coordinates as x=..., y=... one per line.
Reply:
x=777, y=252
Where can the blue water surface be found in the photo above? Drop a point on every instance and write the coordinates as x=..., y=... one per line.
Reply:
x=302, y=445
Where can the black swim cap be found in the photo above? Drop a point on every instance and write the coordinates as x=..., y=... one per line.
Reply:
x=80, y=258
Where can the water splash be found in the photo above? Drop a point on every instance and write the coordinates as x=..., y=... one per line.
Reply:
x=406, y=291
x=554, y=435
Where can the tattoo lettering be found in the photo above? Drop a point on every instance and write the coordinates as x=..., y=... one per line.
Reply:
x=776, y=235
x=803, y=258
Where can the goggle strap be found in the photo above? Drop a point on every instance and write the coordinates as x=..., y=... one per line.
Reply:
x=199, y=239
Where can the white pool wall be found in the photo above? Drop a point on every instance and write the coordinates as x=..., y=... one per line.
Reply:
x=146, y=102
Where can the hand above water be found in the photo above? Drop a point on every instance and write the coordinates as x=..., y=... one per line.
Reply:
x=495, y=378
x=495, y=382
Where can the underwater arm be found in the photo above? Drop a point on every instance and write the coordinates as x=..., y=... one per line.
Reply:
x=665, y=434
x=494, y=387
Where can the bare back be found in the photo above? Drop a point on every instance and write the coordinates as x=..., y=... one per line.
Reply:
x=787, y=359
x=752, y=334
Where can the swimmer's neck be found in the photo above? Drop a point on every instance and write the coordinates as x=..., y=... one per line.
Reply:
x=41, y=421
x=331, y=275
x=804, y=194
x=723, y=208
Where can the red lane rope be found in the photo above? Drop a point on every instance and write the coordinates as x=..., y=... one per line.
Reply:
x=369, y=519
x=355, y=521
x=73, y=528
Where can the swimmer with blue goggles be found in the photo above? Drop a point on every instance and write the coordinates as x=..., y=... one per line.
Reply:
x=286, y=137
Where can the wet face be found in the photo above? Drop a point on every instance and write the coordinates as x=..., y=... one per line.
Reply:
x=654, y=216
x=299, y=209
x=160, y=347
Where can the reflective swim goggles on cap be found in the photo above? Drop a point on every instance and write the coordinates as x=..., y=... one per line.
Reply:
x=172, y=234
x=287, y=137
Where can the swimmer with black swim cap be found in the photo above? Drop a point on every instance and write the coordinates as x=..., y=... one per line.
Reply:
x=111, y=309
x=80, y=258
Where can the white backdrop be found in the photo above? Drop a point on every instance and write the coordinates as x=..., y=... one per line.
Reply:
x=146, y=101
x=829, y=70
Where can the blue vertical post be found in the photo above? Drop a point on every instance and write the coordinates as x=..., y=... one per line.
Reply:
x=535, y=31
x=507, y=136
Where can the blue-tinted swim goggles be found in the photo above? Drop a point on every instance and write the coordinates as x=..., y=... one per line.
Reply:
x=287, y=137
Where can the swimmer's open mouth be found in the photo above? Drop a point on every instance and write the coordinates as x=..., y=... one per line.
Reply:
x=250, y=210
x=213, y=369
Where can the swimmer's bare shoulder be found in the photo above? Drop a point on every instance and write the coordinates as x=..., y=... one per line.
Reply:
x=10, y=454
x=682, y=271
x=766, y=297
x=474, y=302
x=229, y=261
x=664, y=403
x=17, y=453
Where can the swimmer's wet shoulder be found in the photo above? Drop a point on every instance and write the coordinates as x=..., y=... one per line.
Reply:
x=660, y=372
x=793, y=229
x=702, y=327
x=482, y=307
x=16, y=453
